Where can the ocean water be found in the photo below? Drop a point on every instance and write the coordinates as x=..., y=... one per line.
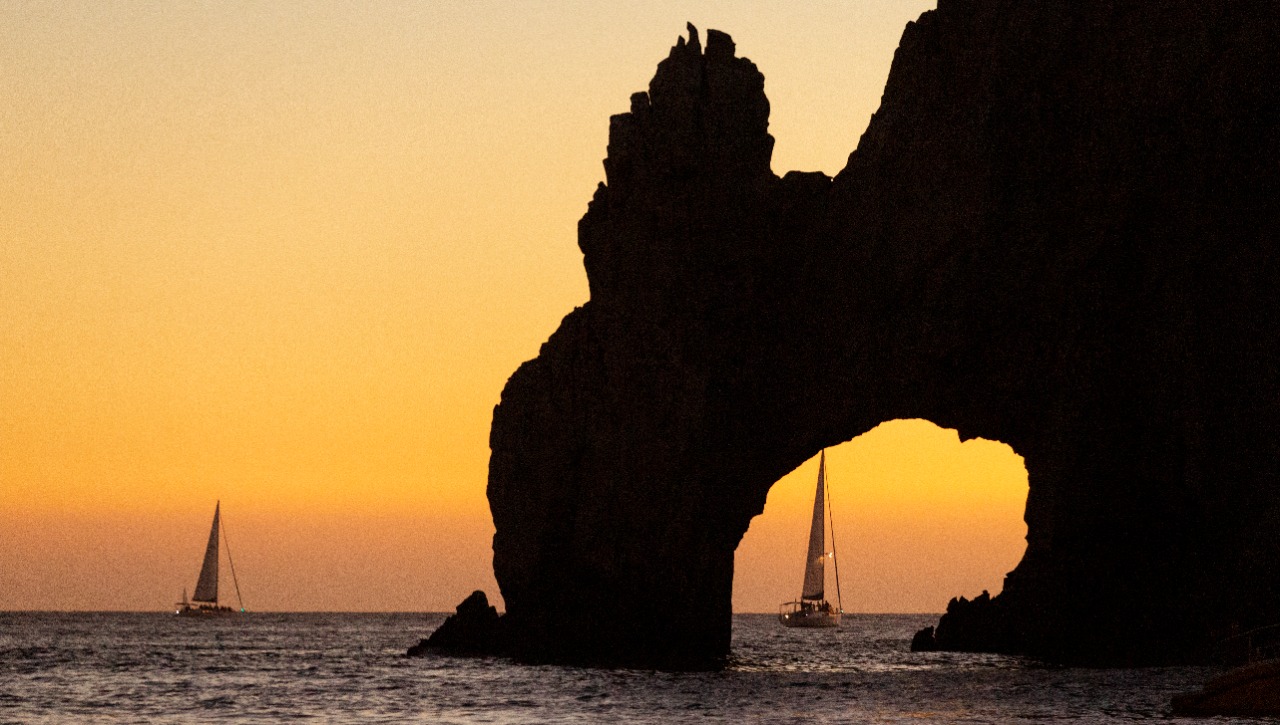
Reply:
x=351, y=668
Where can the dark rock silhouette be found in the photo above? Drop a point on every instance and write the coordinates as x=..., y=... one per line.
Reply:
x=924, y=641
x=1058, y=232
x=979, y=625
x=1251, y=691
x=474, y=628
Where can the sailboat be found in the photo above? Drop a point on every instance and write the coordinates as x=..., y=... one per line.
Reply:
x=204, y=602
x=812, y=608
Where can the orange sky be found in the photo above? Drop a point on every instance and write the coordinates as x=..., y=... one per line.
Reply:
x=286, y=258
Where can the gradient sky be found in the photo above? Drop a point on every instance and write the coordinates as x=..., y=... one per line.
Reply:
x=286, y=256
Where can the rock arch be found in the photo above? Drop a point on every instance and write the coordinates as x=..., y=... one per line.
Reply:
x=1057, y=232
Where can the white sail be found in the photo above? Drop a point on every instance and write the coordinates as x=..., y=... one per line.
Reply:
x=814, y=571
x=207, y=586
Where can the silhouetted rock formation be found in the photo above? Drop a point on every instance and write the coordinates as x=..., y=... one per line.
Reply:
x=475, y=628
x=1057, y=232
x=923, y=641
x=974, y=626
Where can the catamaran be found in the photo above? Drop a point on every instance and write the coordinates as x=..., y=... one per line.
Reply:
x=812, y=608
x=204, y=603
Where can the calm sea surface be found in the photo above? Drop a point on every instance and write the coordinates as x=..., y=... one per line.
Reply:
x=125, y=667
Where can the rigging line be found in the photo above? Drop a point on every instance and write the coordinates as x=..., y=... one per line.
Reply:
x=227, y=541
x=835, y=559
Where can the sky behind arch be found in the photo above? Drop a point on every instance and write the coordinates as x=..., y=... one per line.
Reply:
x=286, y=257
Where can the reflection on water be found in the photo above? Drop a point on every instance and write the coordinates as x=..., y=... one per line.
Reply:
x=56, y=667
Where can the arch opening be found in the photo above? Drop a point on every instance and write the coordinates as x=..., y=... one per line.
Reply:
x=919, y=516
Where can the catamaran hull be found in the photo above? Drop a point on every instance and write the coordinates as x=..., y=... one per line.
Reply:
x=809, y=619
x=207, y=612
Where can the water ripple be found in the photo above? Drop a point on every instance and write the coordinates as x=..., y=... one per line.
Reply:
x=344, y=668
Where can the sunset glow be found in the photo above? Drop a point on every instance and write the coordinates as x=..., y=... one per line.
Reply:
x=920, y=517
x=287, y=259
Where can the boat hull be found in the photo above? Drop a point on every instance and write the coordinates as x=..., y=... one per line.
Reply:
x=207, y=612
x=809, y=621
x=806, y=615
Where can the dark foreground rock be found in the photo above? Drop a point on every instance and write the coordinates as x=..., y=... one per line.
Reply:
x=1059, y=231
x=475, y=629
x=1252, y=690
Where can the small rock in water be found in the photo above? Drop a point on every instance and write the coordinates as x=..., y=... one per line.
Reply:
x=924, y=641
x=476, y=628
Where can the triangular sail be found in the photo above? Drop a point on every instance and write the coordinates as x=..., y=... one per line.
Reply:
x=207, y=586
x=814, y=571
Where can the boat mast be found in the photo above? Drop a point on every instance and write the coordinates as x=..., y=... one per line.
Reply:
x=814, y=572
x=235, y=581
x=207, y=585
x=835, y=558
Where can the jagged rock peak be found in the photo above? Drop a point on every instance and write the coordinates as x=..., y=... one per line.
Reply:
x=700, y=107
x=720, y=44
x=696, y=143
x=691, y=48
